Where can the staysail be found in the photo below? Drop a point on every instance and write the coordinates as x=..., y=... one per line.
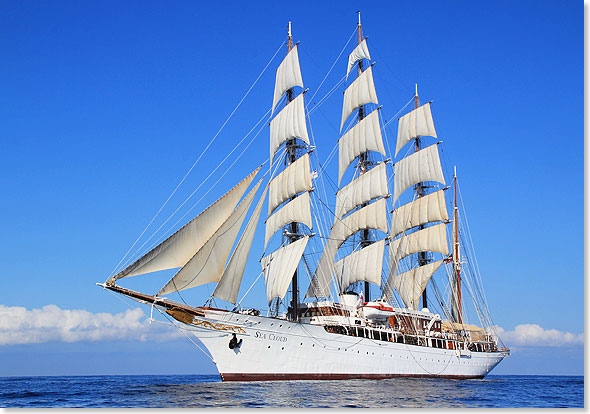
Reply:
x=207, y=264
x=228, y=287
x=180, y=247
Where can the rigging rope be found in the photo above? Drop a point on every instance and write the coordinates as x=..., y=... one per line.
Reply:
x=195, y=163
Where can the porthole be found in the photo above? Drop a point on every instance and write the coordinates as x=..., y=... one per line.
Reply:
x=271, y=324
x=280, y=326
x=301, y=343
x=282, y=348
x=269, y=347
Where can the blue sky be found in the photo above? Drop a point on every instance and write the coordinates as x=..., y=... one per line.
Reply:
x=106, y=105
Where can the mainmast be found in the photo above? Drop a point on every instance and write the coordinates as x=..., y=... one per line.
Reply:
x=360, y=204
x=419, y=193
x=456, y=299
x=363, y=162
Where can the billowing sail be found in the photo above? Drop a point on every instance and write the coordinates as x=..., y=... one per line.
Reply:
x=430, y=239
x=423, y=165
x=178, y=249
x=360, y=92
x=415, y=124
x=366, y=187
x=359, y=52
x=293, y=180
x=228, y=287
x=288, y=75
x=427, y=209
x=288, y=124
x=363, y=265
x=411, y=284
x=295, y=210
x=364, y=136
x=279, y=267
x=372, y=216
x=207, y=264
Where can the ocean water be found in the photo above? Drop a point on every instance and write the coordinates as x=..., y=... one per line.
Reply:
x=209, y=391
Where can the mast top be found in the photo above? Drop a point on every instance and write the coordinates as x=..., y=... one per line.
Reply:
x=455, y=171
x=359, y=27
x=290, y=38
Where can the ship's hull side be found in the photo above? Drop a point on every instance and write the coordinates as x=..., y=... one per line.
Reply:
x=275, y=349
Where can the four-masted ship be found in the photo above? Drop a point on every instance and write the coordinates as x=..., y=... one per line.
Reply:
x=337, y=330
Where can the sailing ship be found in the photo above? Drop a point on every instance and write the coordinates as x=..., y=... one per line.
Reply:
x=337, y=330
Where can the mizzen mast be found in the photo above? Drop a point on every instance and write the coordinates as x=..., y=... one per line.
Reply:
x=419, y=193
x=456, y=309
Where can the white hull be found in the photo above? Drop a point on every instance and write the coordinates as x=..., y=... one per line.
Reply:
x=274, y=349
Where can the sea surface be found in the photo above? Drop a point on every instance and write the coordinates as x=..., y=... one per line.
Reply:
x=209, y=391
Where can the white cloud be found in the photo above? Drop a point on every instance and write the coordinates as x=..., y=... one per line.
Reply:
x=18, y=325
x=530, y=334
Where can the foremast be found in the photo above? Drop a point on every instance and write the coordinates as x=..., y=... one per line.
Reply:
x=292, y=230
x=289, y=202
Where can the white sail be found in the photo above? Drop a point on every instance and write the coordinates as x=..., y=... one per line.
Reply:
x=293, y=180
x=363, y=265
x=430, y=239
x=366, y=187
x=207, y=264
x=372, y=216
x=415, y=124
x=178, y=249
x=427, y=209
x=423, y=165
x=295, y=210
x=228, y=287
x=288, y=124
x=279, y=267
x=410, y=285
x=364, y=136
x=360, y=92
x=288, y=75
x=359, y=52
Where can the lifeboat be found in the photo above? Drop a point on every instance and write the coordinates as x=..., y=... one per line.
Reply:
x=378, y=309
